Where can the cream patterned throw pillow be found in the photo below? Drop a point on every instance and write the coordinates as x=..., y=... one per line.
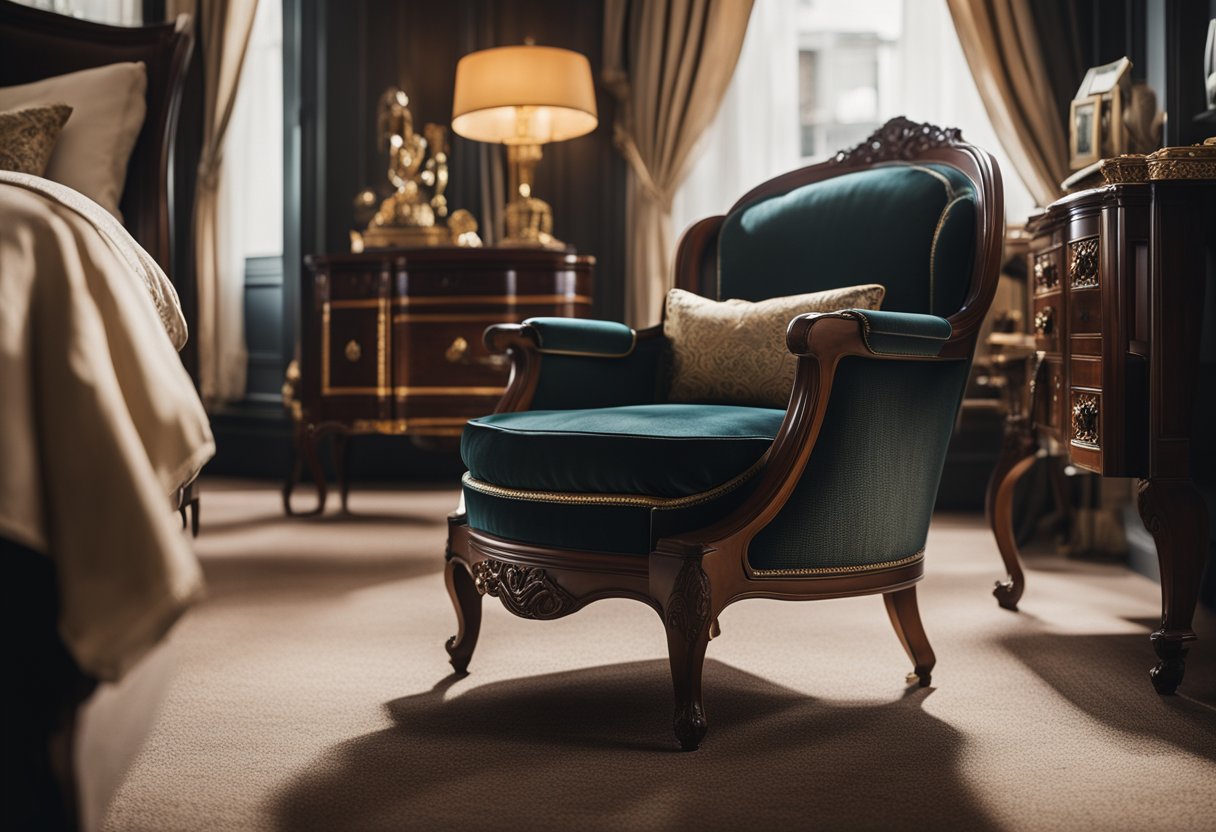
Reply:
x=734, y=352
x=27, y=137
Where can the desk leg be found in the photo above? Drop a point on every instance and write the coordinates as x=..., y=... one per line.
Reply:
x=341, y=455
x=1174, y=513
x=1017, y=456
x=306, y=438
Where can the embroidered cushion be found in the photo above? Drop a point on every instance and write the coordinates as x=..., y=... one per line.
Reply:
x=734, y=352
x=28, y=135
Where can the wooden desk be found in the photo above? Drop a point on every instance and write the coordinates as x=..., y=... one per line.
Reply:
x=391, y=342
x=1119, y=274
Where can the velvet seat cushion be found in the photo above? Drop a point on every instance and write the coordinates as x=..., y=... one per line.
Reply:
x=658, y=450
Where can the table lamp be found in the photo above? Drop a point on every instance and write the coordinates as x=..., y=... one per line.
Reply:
x=523, y=97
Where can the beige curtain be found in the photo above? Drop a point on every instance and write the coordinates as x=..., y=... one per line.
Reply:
x=1003, y=50
x=669, y=63
x=224, y=27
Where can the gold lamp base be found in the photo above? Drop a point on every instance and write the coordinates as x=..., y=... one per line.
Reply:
x=529, y=220
x=529, y=223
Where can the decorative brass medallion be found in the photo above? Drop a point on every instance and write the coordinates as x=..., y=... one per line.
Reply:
x=1083, y=263
x=353, y=351
x=524, y=590
x=1045, y=321
x=1085, y=419
x=1046, y=276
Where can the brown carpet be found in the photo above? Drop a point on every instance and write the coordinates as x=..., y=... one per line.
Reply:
x=313, y=693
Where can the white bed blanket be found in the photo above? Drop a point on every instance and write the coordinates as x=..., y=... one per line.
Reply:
x=99, y=421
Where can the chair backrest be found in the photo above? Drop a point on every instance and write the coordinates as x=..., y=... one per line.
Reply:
x=910, y=227
x=913, y=207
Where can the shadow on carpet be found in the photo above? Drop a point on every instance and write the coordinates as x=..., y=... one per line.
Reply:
x=1106, y=677
x=558, y=751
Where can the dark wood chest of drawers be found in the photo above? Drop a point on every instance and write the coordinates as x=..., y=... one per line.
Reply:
x=1119, y=277
x=391, y=340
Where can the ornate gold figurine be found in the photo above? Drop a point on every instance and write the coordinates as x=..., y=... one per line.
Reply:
x=407, y=217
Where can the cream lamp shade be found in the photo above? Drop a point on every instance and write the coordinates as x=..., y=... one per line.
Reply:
x=523, y=95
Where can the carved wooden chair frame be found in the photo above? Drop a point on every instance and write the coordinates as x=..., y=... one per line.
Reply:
x=690, y=579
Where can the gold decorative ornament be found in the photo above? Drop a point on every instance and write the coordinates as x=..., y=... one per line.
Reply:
x=463, y=228
x=1129, y=168
x=1045, y=321
x=407, y=218
x=1045, y=275
x=1085, y=419
x=1194, y=162
x=1083, y=263
x=353, y=351
x=1190, y=162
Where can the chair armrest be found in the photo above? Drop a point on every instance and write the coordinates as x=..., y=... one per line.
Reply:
x=582, y=337
x=902, y=333
x=566, y=363
x=872, y=333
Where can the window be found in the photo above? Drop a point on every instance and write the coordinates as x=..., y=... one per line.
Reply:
x=115, y=12
x=818, y=76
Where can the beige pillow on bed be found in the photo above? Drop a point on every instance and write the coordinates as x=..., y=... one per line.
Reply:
x=108, y=106
x=27, y=137
x=734, y=352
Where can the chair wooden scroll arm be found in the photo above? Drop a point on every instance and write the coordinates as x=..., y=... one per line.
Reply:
x=573, y=348
x=821, y=340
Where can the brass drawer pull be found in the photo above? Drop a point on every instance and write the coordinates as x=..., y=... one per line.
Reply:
x=1045, y=276
x=1083, y=263
x=1045, y=321
x=353, y=351
x=1085, y=419
x=458, y=353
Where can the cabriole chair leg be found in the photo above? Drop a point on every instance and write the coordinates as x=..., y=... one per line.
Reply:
x=467, y=602
x=687, y=660
x=688, y=619
x=905, y=618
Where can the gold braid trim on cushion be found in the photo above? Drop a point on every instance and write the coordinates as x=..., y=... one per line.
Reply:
x=637, y=500
x=839, y=570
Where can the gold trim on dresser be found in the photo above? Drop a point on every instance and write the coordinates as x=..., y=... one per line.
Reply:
x=391, y=343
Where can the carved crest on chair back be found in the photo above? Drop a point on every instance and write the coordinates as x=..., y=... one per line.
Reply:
x=899, y=138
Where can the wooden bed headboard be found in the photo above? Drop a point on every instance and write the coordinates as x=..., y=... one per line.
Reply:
x=39, y=44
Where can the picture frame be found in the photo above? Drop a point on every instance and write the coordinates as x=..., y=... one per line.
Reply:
x=1104, y=79
x=1085, y=131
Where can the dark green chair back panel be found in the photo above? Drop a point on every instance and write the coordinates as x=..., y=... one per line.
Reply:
x=867, y=493
x=909, y=227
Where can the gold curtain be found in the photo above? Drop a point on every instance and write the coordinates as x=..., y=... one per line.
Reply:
x=669, y=63
x=1006, y=58
x=224, y=27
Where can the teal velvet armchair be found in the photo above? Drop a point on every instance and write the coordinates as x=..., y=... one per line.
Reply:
x=587, y=484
